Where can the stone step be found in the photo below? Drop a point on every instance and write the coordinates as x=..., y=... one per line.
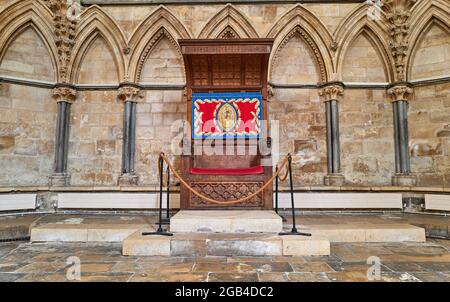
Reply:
x=223, y=244
x=366, y=232
x=214, y=221
x=89, y=232
x=83, y=232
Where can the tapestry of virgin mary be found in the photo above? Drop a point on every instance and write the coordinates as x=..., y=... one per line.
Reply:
x=226, y=115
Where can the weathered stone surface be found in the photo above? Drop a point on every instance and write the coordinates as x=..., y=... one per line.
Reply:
x=266, y=246
x=367, y=233
x=294, y=245
x=153, y=245
x=83, y=232
x=226, y=222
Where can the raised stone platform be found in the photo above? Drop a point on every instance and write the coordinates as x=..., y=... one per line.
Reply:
x=216, y=221
x=224, y=244
x=366, y=232
x=83, y=232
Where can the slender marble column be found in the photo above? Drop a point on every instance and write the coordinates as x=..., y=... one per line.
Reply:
x=64, y=97
x=400, y=92
x=331, y=94
x=130, y=95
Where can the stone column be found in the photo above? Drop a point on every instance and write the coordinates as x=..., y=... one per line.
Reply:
x=129, y=94
x=331, y=94
x=64, y=96
x=400, y=93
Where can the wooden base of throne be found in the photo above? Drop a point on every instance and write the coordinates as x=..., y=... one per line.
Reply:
x=227, y=187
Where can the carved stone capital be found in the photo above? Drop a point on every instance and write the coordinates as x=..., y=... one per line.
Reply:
x=64, y=94
x=400, y=93
x=332, y=92
x=129, y=94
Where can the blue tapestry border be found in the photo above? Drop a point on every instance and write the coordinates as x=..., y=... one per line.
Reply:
x=225, y=96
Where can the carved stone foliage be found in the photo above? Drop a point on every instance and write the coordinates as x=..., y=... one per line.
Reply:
x=400, y=93
x=397, y=14
x=64, y=94
x=331, y=92
x=226, y=191
x=129, y=94
x=65, y=23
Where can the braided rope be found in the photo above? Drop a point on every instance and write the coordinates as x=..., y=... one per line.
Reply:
x=283, y=178
x=228, y=202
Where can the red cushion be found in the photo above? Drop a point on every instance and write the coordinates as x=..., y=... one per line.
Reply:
x=241, y=171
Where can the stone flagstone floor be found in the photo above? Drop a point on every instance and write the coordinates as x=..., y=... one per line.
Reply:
x=24, y=261
x=428, y=261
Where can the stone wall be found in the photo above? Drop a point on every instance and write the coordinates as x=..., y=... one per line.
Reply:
x=302, y=132
x=432, y=58
x=157, y=129
x=28, y=57
x=429, y=127
x=366, y=126
x=95, y=145
x=362, y=62
x=27, y=135
x=337, y=42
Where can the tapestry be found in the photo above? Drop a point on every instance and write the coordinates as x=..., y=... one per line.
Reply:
x=226, y=115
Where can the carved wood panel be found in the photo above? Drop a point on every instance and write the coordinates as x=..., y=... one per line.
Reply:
x=200, y=68
x=226, y=70
x=223, y=191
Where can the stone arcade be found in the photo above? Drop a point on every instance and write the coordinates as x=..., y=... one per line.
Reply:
x=91, y=95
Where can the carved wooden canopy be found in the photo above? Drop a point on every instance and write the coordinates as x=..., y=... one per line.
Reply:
x=221, y=65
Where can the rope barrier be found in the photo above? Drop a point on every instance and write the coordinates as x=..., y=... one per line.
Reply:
x=228, y=202
x=285, y=175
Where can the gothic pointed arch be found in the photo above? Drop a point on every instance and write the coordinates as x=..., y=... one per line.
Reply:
x=424, y=17
x=160, y=23
x=301, y=21
x=376, y=31
x=368, y=63
x=228, y=17
x=172, y=49
x=95, y=23
x=23, y=15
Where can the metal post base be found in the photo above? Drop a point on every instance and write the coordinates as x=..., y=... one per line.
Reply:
x=294, y=232
x=158, y=232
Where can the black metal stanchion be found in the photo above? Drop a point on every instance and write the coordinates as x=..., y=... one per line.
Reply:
x=160, y=230
x=166, y=220
x=294, y=227
x=276, y=195
x=276, y=190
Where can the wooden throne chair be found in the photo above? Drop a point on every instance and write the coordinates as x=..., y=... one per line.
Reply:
x=226, y=107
